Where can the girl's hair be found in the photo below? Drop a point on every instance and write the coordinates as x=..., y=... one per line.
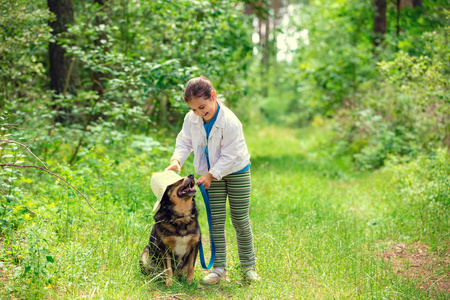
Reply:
x=198, y=87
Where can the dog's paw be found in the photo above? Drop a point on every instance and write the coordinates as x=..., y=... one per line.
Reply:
x=145, y=270
x=190, y=276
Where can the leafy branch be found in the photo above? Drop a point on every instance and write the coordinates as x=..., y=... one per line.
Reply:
x=26, y=148
x=44, y=169
x=54, y=175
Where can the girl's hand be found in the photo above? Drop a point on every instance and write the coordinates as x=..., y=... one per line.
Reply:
x=205, y=180
x=174, y=166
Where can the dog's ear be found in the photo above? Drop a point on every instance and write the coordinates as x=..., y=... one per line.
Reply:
x=165, y=200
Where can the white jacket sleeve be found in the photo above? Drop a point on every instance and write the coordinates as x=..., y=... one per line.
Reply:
x=183, y=146
x=232, y=136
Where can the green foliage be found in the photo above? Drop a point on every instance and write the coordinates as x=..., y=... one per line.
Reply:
x=318, y=221
x=13, y=211
x=413, y=22
x=24, y=32
x=407, y=113
x=423, y=185
x=424, y=181
x=132, y=67
x=315, y=218
x=335, y=63
x=145, y=70
x=37, y=266
x=337, y=55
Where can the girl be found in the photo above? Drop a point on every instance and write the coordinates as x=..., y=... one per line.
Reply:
x=215, y=135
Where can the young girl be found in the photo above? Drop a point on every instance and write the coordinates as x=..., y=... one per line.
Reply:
x=215, y=135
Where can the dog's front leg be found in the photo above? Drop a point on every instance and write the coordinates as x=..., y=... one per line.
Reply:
x=191, y=265
x=144, y=261
x=168, y=271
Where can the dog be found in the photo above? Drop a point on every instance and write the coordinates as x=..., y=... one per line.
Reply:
x=175, y=237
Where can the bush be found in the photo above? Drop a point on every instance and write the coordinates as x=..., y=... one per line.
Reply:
x=406, y=112
x=424, y=180
x=422, y=187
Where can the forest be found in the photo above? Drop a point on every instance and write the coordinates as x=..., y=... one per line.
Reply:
x=345, y=106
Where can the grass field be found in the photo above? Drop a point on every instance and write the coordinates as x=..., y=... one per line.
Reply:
x=321, y=231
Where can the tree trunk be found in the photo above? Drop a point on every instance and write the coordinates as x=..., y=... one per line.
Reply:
x=379, y=21
x=417, y=3
x=63, y=69
x=247, y=9
x=99, y=78
x=398, y=21
x=265, y=59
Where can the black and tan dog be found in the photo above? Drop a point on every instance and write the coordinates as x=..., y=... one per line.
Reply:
x=175, y=237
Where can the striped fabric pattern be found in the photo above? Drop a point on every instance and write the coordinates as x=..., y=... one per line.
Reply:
x=237, y=187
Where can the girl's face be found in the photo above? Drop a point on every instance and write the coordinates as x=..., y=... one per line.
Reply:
x=205, y=108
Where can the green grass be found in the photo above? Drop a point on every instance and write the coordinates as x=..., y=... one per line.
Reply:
x=319, y=229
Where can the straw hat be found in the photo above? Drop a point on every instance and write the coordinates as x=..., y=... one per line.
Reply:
x=159, y=182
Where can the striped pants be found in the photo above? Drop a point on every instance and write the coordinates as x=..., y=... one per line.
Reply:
x=237, y=187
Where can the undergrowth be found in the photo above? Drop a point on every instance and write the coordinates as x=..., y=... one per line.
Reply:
x=319, y=226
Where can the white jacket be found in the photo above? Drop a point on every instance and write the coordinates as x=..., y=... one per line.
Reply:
x=227, y=149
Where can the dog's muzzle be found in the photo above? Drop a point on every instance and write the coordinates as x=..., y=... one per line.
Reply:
x=188, y=187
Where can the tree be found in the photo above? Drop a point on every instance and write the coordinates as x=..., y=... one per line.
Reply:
x=99, y=77
x=379, y=21
x=63, y=69
x=417, y=3
x=266, y=11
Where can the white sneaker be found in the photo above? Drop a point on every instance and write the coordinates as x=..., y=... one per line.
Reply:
x=251, y=275
x=214, y=276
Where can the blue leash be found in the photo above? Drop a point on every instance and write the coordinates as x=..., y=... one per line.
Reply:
x=213, y=246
